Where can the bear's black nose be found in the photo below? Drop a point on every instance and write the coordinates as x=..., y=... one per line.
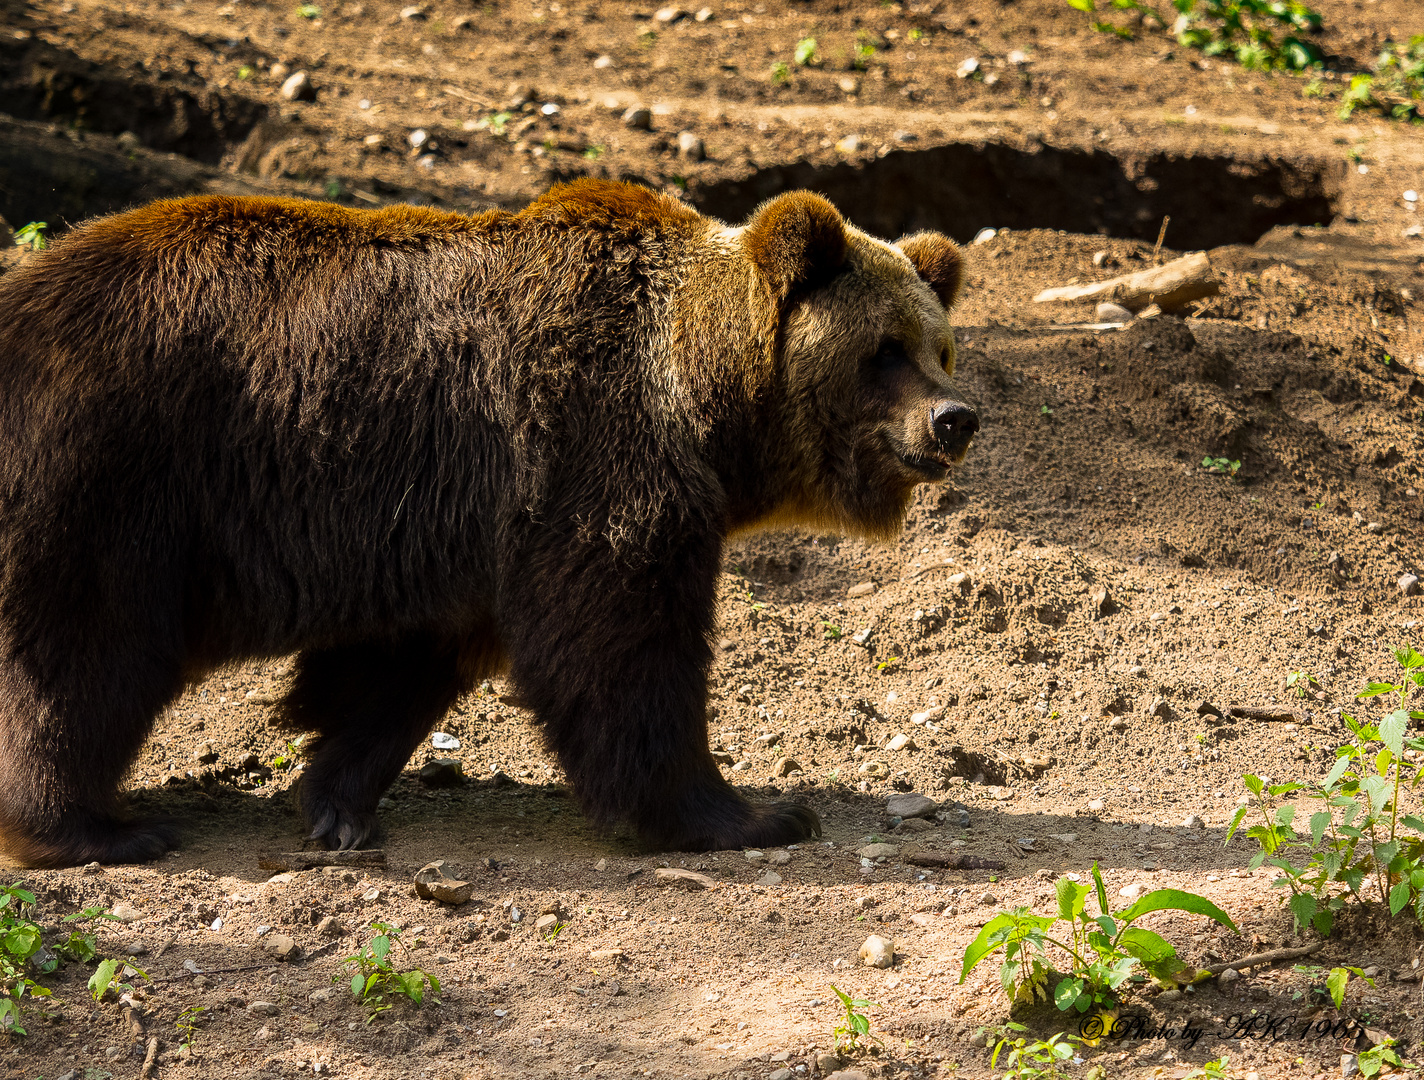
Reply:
x=953, y=424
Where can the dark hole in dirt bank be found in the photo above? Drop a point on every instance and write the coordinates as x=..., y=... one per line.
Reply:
x=961, y=188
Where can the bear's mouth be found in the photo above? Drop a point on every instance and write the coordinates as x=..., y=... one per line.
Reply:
x=931, y=468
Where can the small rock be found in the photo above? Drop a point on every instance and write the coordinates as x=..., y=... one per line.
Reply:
x=1159, y=707
x=967, y=67
x=1114, y=313
x=500, y=935
x=771, y=877
x=134, y=948
x=874, y=769
x=1166, y=997
x=827, y=1063
x=1118, y=723
x=442, y=741
x=298, y=87
x=1097, y=806
x=322, y=996
x=865, y=588
x=921, y=718
x=669, y=15
x=125, y=912
x=1349, y=1063
x=687, y=879
x=988, y=899
x=281, y=947
x=1133, y=891
x=1102, y=601
x=279, y=70
x=962, y=581
x=93, y=868
x=605, y=955
x=914, y=825
x=785, y=767
x=921, y=918
x=601, y=865
x=442, y=773
x=1230, y=975
x=900, y=742
x=639, y=118
x=1409, y=585
x=412, y=12
x=545, y=923
x=848, y=1074
x=331, y=926
x=849, y=145
x=1193, y=821
x=877, y=952
x=779, y=857
x=1064, y=837
x=878, y=851
x=432, y=883
x=263, y=1008
x=864, y=903
x=602, y=62
x=689, y=146
x=781, y=1074
x=848, y=85
x=753, y=856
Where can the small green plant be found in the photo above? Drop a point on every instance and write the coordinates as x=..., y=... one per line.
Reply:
x=245, y=72
x=1221, y=465
x=1104, y=950
x=288, y=755
x=373, y=976
x=1396, y=86
x=888, y=665
x=187, y=1024
x=1044, y=410
x=1030, y=1059
x=1243, y=30
x=1212, y=1070
x=1373, y=1060
x=831, y=631
x=32, y=235
x=1301, y=682
x=108, y=975
x=780, y=73
x=19, y=942
x=864, y=51
x=554, y=931
x=496, y=123
x=593, y=153
x=805, y=54
x=854, y=1032
x=1357, y=841
x=82, y=946
x=308, y=11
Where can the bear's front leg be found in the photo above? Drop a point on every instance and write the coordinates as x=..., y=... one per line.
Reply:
x=613, y=660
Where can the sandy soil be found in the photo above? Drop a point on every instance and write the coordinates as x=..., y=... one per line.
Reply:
x=1042, y=699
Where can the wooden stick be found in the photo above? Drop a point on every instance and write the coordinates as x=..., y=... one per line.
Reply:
x=1172, y=286
x=1269, y=712
x=1259, y=959
x=307, y=860
x=150, y=1059
x=954, y=862
x=1161, y=235
x=465, y=95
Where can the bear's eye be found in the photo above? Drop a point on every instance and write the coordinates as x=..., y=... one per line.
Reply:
x=890, y=354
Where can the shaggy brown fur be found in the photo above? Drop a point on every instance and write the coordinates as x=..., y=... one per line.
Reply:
x=419, y=448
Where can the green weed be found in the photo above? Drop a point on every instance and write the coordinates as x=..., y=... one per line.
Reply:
x=854, y=1032
x=805, y=54
x=32, y=235
x=1035, y=1059
x=373, y=976
x=19, y=942
x=1221, y=466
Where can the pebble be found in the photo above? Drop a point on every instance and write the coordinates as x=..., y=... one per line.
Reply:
x=298, y=87
x=689, y=146
x=433, y=883
x=669, y=15
x=605, y=954
x=1097, y=806
x=901, y=742
x=779, y=857
x=687, y=879
x=1193, y=821
x=910, y=806
x=1102, y=600
x=442, y=741
x=1230, y=975
x=1115, y=313
x=848, y=1074
x=874, y=769
x=848, y=145
x=545, y=923
x=639, y=118
x=988, y=899
x=1133, y=891
x=442, y=773
x=848, y=85
x=263, y=1008
x=962, y=581
x=771, y=877
x=785, y=767
x=865, y=588
x=968, y=67
x=878, y=851
x=827, y=1063
x=282, y=947
x=921, y=718
x=1159, y=707
x=877, y=952
x=604, y=61
x=781, y=1074
x=1409, y=585
x=415, y=11
x=754, y=856
x=1064, y=837
x=322, y=996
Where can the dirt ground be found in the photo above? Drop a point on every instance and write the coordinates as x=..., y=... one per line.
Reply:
x=1062, y=728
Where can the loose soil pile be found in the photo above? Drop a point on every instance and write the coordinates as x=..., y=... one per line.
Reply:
x=1068, y=614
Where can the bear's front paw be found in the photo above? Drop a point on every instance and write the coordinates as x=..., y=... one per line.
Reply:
x=337, y=828
x=733, y=824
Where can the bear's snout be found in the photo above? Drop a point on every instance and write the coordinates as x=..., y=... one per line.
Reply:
x=953, y=424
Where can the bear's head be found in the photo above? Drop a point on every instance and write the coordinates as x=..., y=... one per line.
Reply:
x=864, y=358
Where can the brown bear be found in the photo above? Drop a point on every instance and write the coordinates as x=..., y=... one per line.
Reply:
x=418, y=448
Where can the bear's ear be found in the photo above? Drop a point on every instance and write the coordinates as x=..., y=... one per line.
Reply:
x=796, y=240
x=937, y=261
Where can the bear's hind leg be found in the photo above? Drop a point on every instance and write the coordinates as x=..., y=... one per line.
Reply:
x=63, y=754
x=372, y=704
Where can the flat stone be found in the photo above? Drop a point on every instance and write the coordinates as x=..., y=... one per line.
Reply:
x=125, y=912
x=442, y=773
x=1110, y=312
x=639, y=118
x=1409, y=585
x=687, y=879
x=768, y=879
x=331, y=926
x=322, y=996
x=877, y=952
x=848, y=1074
x=865, y=588
x=1193, y=821
x=1133, y=891
x=900, y=742
x=282, y=947
x=691, y=147
x=433, y=883
x=781, y=1074
x=1064, y=837
x=544, y=924
x=785, y=767
x=1097, y=806
x=878, y=851
x=605, y=955
x=298, y=87
x=779, y=857
x=263, y=1008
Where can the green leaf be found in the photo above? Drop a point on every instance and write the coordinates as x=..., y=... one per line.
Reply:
x=1236, y=822
x=1375, y=689
x=102, y=977
x=1102, y=889
x=805, y=51
x=1176, y=900
x=1285, y=814
x=1072, y=897
x=1066, y=993
x=1253, y=783
x=1083, y=5
x=1391, y=731
x=1408, y=658
x=357, y=984
x=981, y=946
x=1337, y=771
x=1303, y=907
x=1319, y=822
x=1335, y=983
x=1398, y=897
